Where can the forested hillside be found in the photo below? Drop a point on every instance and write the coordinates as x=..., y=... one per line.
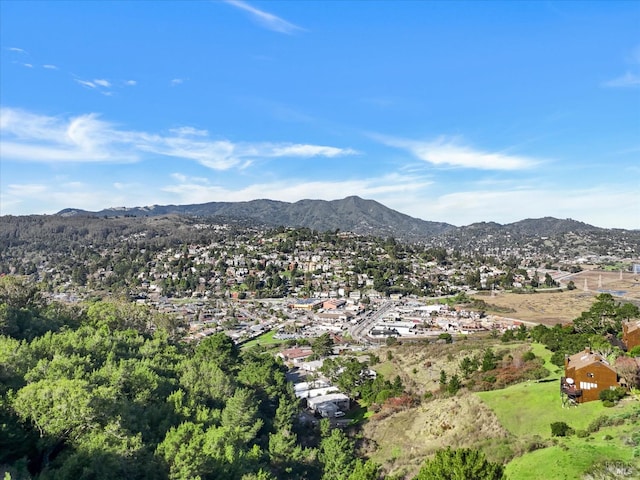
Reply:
x=104, y=391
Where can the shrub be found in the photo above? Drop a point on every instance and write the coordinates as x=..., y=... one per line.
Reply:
x=635, y=351
x=611, y=470
x=461, y=463
x=598, y=423
x=446, y=337
x=560, y=429
x=608, y=403
x=612, y=395
x=582, y=433
x=528, y=356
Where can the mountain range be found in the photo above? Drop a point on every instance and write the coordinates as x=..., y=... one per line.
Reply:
x=353, y=214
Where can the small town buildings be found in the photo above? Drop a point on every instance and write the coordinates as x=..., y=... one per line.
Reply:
x=631, y=334
x=317, y=392
x=295, y=355
x=333, y=303
x=306, y=304
x=590, y=373
x=331, y=402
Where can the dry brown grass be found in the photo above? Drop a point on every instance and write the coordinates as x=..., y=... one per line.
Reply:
x=403, y=440
x=563, y=307
x=400, y=442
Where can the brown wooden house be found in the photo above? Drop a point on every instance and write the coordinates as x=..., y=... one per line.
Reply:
x=590, y=373
x=631, y=334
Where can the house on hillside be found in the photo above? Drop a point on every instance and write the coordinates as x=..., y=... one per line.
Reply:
x=590, y=373
x=327, y=405
x=295, y=355
x=631, y=334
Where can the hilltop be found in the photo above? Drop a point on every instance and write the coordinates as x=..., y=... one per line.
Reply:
x=366, y=217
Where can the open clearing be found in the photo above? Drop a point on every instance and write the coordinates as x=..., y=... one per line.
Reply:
x=552, y=307
x=510, y=425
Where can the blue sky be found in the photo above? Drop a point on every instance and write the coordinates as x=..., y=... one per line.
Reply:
x=446, y=111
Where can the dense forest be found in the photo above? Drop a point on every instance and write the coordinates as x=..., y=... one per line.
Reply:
x=105, y=389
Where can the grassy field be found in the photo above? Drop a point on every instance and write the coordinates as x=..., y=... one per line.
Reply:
x=547, y=308
x=527, y=410
x=550, y=308
x=572, y=456
x=511, y=425
x=266, y=340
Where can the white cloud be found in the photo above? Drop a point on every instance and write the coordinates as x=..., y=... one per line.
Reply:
x=17, y=50
x=131, y=83
x=266, y=19
x=49, y=67
x=189, y=131
x=26, y=189
x=176, y=81
x=85, y=83
x=310, y=151
x=604, y=206
x=27, y=65
x=447, y=152
x=102, y=82
x=292, y=190
x=188, y=179
x=627, y=80
x=86, y=138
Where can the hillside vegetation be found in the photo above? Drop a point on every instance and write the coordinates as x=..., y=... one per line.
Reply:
x=511, y=425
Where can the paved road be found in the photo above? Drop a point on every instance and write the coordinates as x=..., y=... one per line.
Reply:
x=359, y=331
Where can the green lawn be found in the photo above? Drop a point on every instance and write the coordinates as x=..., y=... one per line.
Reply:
x=529, y=408
x=526, y=410
x=572, y=456
x=266, y=340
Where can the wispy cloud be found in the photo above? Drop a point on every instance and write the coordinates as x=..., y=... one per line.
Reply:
x=445, y=151
x=298, y=150
x=266, y=19
x=131, y=83
x=176, y=81
x=606, y=206
x=18, y=50
x=627, y=80
x=85, y=83
x=48, y=66
x=100, y=84
x=87, y=138
x=189, y=191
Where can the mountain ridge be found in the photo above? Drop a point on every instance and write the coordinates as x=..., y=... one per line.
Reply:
x=352, y=213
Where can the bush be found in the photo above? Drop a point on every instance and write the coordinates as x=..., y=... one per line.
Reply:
x=561, y=429
x=528, y=356
x=612, y=395
x=446, y=337
x=635, y=351
x=461, y=463
x=611, y=470
x=598, y=423
x=582, y=433
x=608, y=403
